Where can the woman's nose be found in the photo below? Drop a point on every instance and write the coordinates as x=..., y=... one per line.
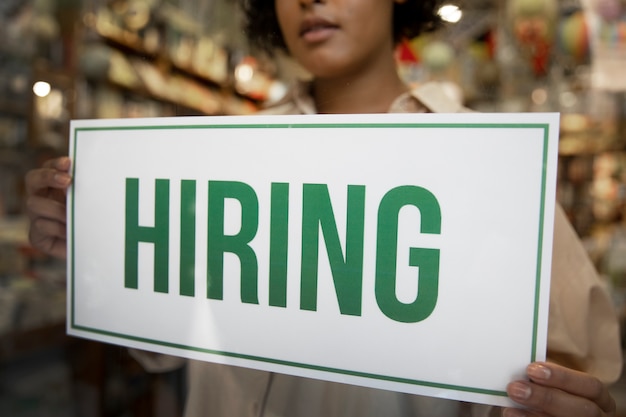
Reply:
x=309, y=3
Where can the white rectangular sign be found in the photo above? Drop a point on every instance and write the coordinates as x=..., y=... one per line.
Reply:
x=401, y=252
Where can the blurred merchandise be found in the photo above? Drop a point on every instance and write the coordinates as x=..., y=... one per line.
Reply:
x=153, y=50
x=607, y=23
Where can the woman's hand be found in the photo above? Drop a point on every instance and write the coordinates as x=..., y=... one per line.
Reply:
x=556, y=391
x=46, y=190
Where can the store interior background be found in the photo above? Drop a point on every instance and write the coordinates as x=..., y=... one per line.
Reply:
x=77, y=59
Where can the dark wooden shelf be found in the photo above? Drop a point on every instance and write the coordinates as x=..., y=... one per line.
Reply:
x=18, y=343
x=13, y=109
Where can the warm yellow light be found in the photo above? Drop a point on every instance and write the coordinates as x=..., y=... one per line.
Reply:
x=450, y=13
x=244, y=73
x=539, y=96
x=41, y=88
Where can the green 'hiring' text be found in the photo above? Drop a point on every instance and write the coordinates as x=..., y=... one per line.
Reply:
x=317, y=214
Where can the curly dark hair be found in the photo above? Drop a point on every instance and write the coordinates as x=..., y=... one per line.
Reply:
x=410, y=19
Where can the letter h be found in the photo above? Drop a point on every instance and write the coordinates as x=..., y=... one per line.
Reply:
x=157, y=235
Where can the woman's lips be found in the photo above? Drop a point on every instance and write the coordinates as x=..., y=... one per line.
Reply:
x=315, y=30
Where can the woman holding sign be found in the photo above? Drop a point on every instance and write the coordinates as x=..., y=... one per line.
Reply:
x=348, y=47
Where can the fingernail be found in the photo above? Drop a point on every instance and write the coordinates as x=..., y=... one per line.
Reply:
x=513, y=412
x=537, y=371
x=519, y=391
x=62, y=179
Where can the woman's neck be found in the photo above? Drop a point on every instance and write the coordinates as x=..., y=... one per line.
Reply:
x=368, y=92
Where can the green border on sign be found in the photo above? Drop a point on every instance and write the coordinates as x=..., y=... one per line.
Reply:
x=533, y=354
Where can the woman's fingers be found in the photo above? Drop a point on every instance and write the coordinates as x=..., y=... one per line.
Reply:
x=53, y=175
x=43, y=179
x=560, y=392
x=49, y=237
x=61, y=164
x=46, y=208
x=574, y=382
x=47, y=226
x=45, y=204
x=551, y=401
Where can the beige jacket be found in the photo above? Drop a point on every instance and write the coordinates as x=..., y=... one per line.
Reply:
x=583, y=332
